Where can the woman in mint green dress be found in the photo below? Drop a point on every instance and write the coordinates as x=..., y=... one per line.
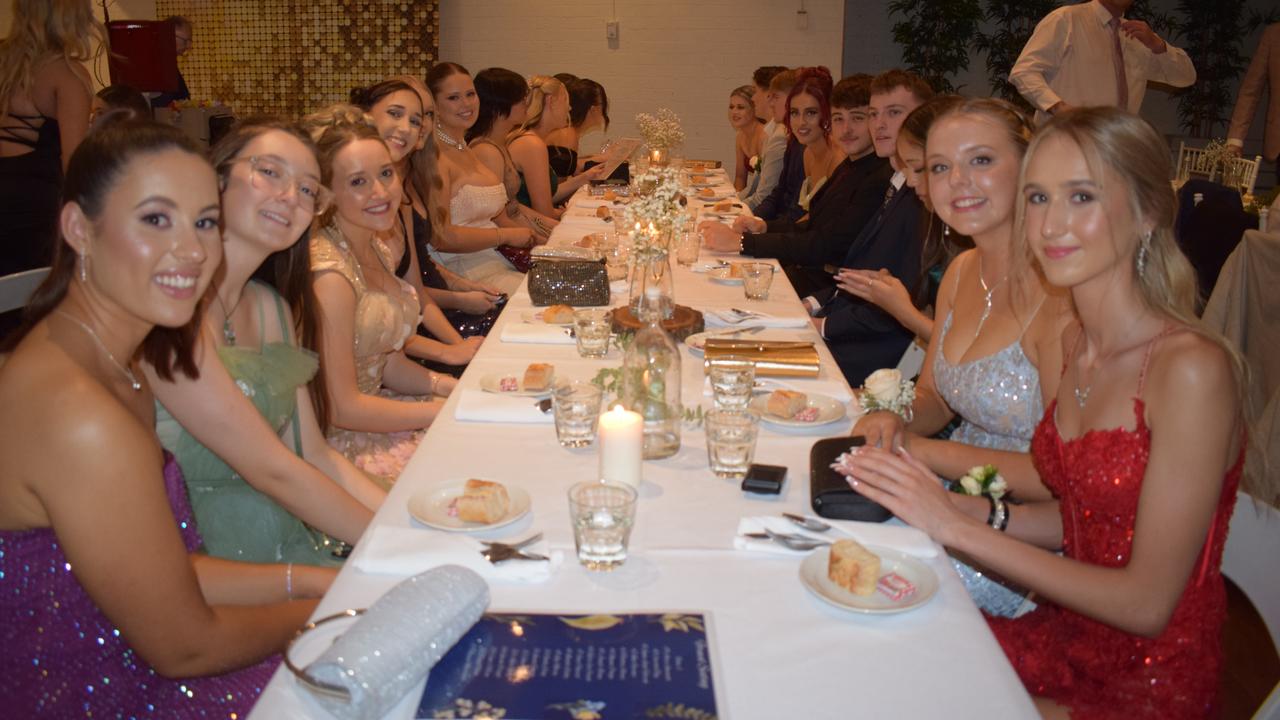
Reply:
x=263, y=482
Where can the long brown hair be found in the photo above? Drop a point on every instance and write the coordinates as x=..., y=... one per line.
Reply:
x=423, y=178
x=96, y=166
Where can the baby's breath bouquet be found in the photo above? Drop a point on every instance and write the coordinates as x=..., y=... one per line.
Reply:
x=661, y=130
x=655, y=207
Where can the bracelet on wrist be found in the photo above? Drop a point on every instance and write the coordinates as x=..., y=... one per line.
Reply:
x=288, y=581
x=998, y=516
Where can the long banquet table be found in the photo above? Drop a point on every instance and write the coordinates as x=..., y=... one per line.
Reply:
x=780, y=652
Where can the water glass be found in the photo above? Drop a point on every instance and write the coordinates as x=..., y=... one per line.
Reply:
x=576, y=407
x=756, y=279
x=591, y=328
x=731, y=441
x=733, y=378
x=688, y=245
x=602, y=514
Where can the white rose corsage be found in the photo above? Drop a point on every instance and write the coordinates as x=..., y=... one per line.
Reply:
x=886, y=390
x=753, y=164
x=982, y=480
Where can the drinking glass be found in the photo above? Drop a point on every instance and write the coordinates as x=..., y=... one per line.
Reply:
x=731, y=441
x=591, y=328
x=732, y=380
x=602, y=514
x=576, y=407
x=756, y=279
x=688, y=246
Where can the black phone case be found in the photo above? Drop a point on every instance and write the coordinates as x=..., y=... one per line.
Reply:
x=764, y=479
x=830, y=494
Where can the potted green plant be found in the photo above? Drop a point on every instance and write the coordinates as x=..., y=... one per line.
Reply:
x=935, y=36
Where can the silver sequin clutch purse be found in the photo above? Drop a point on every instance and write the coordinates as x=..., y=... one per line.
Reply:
x=395, y=644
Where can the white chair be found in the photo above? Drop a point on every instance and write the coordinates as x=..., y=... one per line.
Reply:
x=1270, y=709
x=1253, y=544
x=16, y=289
x=1193, y=161
x=1241, y=173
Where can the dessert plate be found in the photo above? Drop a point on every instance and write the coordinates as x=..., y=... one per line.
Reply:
x=535, y=316
x=430, y=507
x=829, y=410
x=724, y=276
x=813, y=575
x=493, y=383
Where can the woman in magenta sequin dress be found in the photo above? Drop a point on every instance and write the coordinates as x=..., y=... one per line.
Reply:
x=104, y=609
x=1142, y=448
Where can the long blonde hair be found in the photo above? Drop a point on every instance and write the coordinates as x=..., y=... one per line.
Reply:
x=43, y=30
x=541, y=87
x=1126, y=145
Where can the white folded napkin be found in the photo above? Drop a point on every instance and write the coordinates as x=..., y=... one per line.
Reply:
x=898, y=537
x=536, y=333
x=408, y=551
x=724, y=318
x=482, y=406
x=837, y=390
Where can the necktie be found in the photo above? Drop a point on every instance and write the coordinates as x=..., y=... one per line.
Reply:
x=1122, y=83
x=888, y=195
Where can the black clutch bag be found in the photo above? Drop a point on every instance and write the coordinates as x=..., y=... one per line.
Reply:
x=829, y=491
x=555, y=281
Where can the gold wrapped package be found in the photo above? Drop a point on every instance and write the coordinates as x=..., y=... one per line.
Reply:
x=780, y=359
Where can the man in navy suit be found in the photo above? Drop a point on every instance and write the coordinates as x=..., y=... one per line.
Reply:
x=862, y=337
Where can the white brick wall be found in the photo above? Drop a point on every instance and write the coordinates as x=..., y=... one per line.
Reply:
x=683, y=55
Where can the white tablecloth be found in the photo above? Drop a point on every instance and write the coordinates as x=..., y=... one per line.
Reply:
x=779, y=651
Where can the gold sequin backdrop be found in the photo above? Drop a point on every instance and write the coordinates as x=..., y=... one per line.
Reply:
x=295, y=56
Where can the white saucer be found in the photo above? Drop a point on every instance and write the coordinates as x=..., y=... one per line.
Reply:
x=722, y=276
x=813, y=574
x=829, y=410
x=493, y=383
x=431, y=507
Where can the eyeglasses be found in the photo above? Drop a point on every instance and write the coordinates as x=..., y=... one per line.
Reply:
x=272, y=176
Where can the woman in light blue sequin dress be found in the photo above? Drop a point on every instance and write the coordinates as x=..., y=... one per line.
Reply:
x=999, y=324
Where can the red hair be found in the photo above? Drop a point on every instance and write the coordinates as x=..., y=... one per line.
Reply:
x=816, y=83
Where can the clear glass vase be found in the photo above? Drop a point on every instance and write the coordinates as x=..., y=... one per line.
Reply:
x=651, y=268
x=650, y=382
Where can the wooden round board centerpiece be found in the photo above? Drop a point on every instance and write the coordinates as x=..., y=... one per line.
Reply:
x=684, y=321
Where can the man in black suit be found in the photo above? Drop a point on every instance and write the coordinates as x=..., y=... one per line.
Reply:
x=849, y=199
x=862, y=337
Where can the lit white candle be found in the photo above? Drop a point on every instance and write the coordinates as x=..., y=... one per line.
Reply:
x=621, y=446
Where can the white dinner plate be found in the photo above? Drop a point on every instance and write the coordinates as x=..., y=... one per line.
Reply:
x=431, y=507
x=813, y=574
x=829, y=411
x=535, y=316
x=493, y=383
x=715, y=196
x=696, y=343
x=723, y=276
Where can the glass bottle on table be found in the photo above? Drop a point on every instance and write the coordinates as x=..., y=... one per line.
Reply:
x=651, y=380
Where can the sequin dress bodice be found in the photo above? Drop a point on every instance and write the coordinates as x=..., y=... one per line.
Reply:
x=997, y=397
x=62, y=658
x=384, y=320
x=1095, y=669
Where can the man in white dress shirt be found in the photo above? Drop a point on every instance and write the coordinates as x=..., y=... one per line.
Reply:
x=1089, y=54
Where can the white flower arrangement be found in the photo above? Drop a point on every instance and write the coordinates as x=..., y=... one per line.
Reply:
x=753, y=163
x=885, y=389
x=982, y=480
x=655, y=207
x=662, y=130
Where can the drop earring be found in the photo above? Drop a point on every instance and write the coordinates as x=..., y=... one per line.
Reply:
x=84, y=266
x=946, y=231
x=1143, y=250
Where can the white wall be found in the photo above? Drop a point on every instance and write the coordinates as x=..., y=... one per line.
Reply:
x=686, y=56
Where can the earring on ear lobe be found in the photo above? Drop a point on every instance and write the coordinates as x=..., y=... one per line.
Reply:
x=84, y=266
x=1143, y=250
x=946, y=231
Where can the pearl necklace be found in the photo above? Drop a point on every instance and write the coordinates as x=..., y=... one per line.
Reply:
x=990, y=291
x=133, y=379
x=455, y=144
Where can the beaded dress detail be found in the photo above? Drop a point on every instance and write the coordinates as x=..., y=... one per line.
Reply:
x=63, y=658
x=475, y=206
x=383, y=322
x=1096, y=670
x=998, y=400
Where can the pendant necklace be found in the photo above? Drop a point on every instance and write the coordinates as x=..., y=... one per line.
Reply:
x=133, y=379
x=228, y=332
x=1082, y=394
x=990, y=291
x=455, y=144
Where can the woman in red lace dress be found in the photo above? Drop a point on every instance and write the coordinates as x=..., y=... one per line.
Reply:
x=1142, y=447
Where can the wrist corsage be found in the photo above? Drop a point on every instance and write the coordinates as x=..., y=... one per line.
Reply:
x=986, y=480
x=886, y=390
